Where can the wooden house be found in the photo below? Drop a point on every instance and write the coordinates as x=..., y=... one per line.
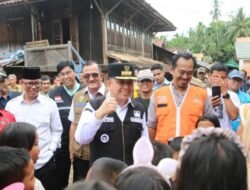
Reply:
x=242, y=47
x=101, y=30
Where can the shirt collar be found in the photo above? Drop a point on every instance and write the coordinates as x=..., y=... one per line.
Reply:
x=126, y=105
x=73, y=91
x=38, y=99
x=101, y=90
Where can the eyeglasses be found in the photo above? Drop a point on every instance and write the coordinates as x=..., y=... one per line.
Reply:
x=31, y=84
x=87, y=76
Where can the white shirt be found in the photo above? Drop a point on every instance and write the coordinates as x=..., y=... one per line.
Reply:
x=44, y=115
x=101, y=90
x=88, y=124
x=221, y=112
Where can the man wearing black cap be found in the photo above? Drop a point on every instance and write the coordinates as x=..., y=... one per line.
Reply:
x=42, y=112
x=112, y=125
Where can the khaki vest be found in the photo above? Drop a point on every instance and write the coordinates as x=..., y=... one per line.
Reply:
x=80, y=100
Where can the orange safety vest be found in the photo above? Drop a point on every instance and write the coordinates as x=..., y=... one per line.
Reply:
x=178, y=121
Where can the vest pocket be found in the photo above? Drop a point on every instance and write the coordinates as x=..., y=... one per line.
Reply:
x=163, y=111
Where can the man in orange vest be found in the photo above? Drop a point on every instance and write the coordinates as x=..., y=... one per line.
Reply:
x=174, y=109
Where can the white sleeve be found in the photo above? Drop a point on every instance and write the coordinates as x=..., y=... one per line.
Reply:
x=88, y=126
x=235, y=99
x=145, y=127
x=56, y=128
x=71, y=116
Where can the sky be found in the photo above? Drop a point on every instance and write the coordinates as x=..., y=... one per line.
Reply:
x=188, y=13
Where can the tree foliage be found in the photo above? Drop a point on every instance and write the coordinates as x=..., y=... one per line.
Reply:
x=215, y=41
x=239, y=26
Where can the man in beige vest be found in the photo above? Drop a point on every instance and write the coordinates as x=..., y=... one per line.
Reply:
x=79, y=154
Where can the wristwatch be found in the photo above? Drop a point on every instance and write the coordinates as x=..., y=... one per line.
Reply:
x=226, y=96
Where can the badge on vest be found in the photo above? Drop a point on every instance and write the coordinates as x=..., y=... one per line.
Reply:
x=162, y=101
x=108, y=120
x=137, y=114
x=135, y=120
x=104, y=138
x=80, y=104
x=58, y=99
x=82, y=99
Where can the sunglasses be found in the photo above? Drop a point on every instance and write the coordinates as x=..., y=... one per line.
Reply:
x=87, y=76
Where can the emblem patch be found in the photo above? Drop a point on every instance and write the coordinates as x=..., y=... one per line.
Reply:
x=104, y=138
x=137, y=114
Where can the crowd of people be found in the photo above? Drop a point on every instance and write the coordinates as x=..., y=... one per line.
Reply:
x=135, y=130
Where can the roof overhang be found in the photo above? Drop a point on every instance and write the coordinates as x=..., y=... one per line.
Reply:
x=136, y=60
x=9, y=3
x=142, y=13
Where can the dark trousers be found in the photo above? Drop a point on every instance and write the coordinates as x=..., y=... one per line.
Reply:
x=62, y=168
x=47, y=174
x=80, y=168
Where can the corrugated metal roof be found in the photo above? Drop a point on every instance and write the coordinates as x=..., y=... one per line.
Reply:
x=242, y=47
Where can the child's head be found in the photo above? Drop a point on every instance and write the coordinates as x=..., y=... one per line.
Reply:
x=161, y=151
x=175, y=144
x=106, y=169
x=16, y=166
x=90, y=185
x=209, y=120
x=141, y=178
x=212, y=158
x=21, y=135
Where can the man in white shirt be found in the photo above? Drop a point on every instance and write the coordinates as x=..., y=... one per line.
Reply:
x=79, y=154
x=112, y=125
x=42, y=112
x=226, y=106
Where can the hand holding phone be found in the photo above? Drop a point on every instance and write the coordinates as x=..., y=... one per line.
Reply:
x=216, y=94
x=216, y=91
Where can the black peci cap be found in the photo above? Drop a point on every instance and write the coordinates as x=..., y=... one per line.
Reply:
x=31, y=73
x=123, y=71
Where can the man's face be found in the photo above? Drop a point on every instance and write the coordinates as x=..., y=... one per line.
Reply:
x=31, y=88
x=45, y=87
x=121, y=90
x=146, y=85
x=158, y=75
x=12, y=80
x=92, y=77
x=201, y=75
x=218, y=78
x=234, y=84
x=182, y=73
x=3, y=88
x=67, y=76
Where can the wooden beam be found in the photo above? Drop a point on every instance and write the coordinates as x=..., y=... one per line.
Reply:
x=149, y=26
x=132, y=16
